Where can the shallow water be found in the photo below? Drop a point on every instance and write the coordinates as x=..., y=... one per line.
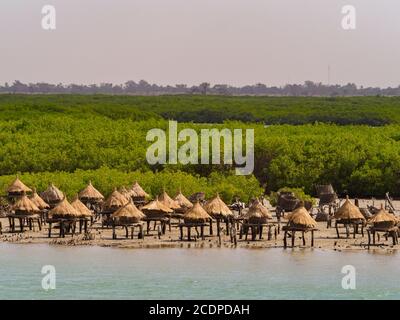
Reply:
x=106, y=273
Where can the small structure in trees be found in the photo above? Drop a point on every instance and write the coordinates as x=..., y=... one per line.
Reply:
x=255, y=219
x=383, y=222
x=17, y=189
x=115, y=201
x=128, y=216
x=138, y=195
x=26, y=212
x=52, y=195
x=64, y=217
x=157, y=212
x=218, y=210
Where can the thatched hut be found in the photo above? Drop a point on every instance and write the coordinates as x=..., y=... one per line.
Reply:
x=25, y=211
x=299, y=220
x=65, y=215
x=52, y=195
x=255, y=219
x=90, y=195
x=128, y=215
x=217, y=209
x=17, y=189
x=85, y=213
x=38, y=201
x=194, y=217
x=157, y=212
x=183, y=202
x=115, y=201
x=125, y=193
x=166, y=200
x=137, y=194
x=349, y=215
x=385, y=222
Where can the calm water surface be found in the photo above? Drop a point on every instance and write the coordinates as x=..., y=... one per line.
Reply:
x=106, y=273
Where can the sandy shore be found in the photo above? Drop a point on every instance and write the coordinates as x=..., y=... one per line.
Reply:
x=325, y=238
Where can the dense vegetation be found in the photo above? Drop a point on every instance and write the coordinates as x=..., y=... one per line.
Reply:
x=209, y=109
x=72, y=139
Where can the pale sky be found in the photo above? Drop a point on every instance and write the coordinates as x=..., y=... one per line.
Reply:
x=190, y=41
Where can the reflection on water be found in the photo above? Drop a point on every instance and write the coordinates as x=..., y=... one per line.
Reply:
x=94, y=272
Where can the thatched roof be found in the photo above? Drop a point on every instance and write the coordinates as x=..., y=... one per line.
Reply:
x=183, y=201
x=125, y=193
x=115, y=200
x=90, y=193
x=216, y=207
x=349, y=211
x=81, y=208
x=157, y=206
x=383, y=216
x=257, y=212
x=52, y=194
x=18, y=187
x=129, y=212
x=64, y=210
x=300, y=217
x=196, y=214
x=137, y=191
x=38, y=201
x=24, y=204
x=166, y=200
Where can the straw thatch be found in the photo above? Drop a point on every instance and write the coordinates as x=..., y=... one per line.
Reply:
x=300, y=218
x=183, y=201
x=156, y=209
x=217, y=208
x=18, y=187
x=257, y=213
x=128, y=214
x=348, y=211
x=383, y=219
x=166, y=200
x=114, y=201
x=38, y=201
x=64, y=210
x=52, y=194
x=81, y=208
x=137, y=191
x=125, y=193
x=90, y=193
x=25, y=206
x=196, y=214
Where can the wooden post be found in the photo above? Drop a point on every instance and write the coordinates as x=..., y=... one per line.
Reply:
x=293, y=237
x=202, y=232
x=312, y=238
x=369, y=238
x=303, y=237
x=285, y=239
x=227, y=226
x=49, y=229
x=181, y=231
x=337, y=230
x=126, y=232
x=189, y=238
x=211, y=227
x=218, y=227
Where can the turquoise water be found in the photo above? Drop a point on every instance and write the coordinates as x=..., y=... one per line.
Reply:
x=106, y=273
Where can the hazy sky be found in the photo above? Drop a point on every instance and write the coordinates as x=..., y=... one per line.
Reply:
x=190, y=41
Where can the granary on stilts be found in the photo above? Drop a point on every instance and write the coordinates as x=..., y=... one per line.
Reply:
x=349, y=215
x=299, y=221
x=128, y=216
x=195, y=217
x=218, y=210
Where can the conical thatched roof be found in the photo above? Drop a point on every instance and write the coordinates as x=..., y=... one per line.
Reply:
x=81, y=208
x=18, y=187
x=137, y=191
x=257, y=212
x=196, y=214
x=383, y=216
x=115, y=200
x=125, y=193
x=301, y=218
x=157, y=206
x=90, y=193
x=183, y=201
x=129, y=212
x=216, y=207
x=349, y=211
x=25, y=205
x=38, y=201
x=64, y=210
x=166, y=200
x=52, y=194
